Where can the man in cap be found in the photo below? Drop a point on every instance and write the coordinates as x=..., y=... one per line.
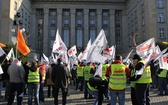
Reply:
x=142, y=81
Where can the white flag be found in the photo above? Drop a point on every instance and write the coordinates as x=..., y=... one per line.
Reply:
x=35, y=57
x=125, y=60
x=45, y=57
x=163, y=62
x=72, y=51
x=58, y=44
x=97, y=48
x=146, y=48
x=1, y=71
x=80, y=56
x=85, y=52
x=1, y=51
x=99, y=70
x=109, y=52
x=11, y=53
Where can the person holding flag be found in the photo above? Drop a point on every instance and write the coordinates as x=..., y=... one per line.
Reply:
x=142, y=81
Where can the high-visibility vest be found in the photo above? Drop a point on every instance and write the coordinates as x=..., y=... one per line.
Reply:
x=163, y=73
x=91, y=88
x=118, y=77
x=87, y=74
x=34, y=77
x=80, y=71
x=104, y=69
x=146, y=76
x=132, y=83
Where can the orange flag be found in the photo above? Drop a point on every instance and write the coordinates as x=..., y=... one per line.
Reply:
x=2, y=45
x=21, y=44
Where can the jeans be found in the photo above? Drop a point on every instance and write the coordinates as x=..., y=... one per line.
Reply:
x=33, y=89
x=41, y=92
x=163, y=85
x=119, y=94
x=95, y=94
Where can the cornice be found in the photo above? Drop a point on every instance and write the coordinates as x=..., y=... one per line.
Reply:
x=100, y=1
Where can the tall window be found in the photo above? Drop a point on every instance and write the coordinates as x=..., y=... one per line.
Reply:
x=105, y=22
x=66, y=36
x=53, y=22
x=106, y=32
x=118, y=32
x=92, y=13
x=79, y=37
x=92, y=22
x=66, y=22
x=53, y=12
x=161, y=33
x=160, y=3
x=40, y=32
x=52, y=33
x=39, y=44
x=40, y=22
x=92, y=34
x=118, y=43
x=160, y=17
x=79, y=22
x=143, y=21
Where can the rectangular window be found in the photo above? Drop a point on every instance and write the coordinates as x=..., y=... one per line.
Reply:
x=52, y=33
x=92, y=13
x=79, y=22
x=160, y=17
x=105, y=22
x=79, y=37
x=118, y=32
x=118, y=44
x=39, y=44
x=66, y=22
x=92, y=35
x=106, y=32
x=53, y=12
x=40, y=32
x=160, y=3
x=161, y=33
x=117, y=23
x=66, y=12
x=92, y=22
x=51, y=43
x=66, y=37
x=105, y=13
x=53, y=22
x=40, y=22
x=79, y=13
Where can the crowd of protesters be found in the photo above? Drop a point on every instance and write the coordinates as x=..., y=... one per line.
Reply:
x=30, y=77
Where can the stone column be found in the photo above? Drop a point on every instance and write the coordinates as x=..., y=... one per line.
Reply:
x=45, y=31
x=34, y=29
x=86, y=27
x=99, y=20
x=72, y=33
x=112, y=28
x=59, y=20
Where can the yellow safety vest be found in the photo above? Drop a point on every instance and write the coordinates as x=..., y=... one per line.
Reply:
x=34, y=77
x=118, y=77
x=163, y=73
x=91, y=88
x=146, y=76
x=87, y=74
x=104, y=69
x=80, y=71
x=132, y=83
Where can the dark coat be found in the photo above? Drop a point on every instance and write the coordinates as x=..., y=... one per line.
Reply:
x=60, y=76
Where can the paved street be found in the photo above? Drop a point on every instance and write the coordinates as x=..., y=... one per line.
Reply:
x=77, y=98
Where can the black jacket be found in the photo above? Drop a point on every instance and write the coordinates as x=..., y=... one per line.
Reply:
x=60, y=76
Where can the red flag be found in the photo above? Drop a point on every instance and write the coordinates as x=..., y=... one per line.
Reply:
x=21, y=44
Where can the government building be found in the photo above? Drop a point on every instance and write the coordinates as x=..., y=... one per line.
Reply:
x=81, y=20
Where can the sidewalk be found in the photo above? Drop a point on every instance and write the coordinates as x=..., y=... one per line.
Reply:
x=77, y=98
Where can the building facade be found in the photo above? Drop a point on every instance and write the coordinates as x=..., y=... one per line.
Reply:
x=81, y=20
